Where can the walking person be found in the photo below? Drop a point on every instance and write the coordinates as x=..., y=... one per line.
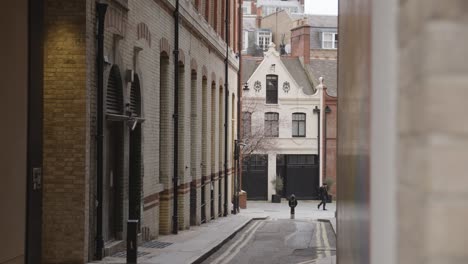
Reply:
x=323, y=195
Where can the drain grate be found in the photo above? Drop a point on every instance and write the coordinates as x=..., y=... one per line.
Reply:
x=123, y=254
x=156, y=244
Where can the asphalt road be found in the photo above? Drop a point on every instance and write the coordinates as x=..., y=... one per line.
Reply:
x=278, y=241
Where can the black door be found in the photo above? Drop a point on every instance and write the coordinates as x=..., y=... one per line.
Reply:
x=33, y=243
x=135, y=175
x=255, y=177
x=302, y=176
x=135, y=179
x=114, y=159
x=114, y=181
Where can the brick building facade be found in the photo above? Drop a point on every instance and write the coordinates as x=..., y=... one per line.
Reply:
x=138, y=161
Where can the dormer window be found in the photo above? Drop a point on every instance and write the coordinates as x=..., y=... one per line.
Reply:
x=329, y=40
x=263, y=39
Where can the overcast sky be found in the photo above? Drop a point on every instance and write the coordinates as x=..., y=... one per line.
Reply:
x=324, y=7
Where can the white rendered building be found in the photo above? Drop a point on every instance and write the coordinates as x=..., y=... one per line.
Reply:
x=280, y=127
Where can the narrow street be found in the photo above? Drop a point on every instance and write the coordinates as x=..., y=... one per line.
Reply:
x=279, y=241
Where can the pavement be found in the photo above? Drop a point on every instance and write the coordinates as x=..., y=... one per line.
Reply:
x=197, y=243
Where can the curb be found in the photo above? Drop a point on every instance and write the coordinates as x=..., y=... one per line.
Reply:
x=217, y=247
x=329, y=222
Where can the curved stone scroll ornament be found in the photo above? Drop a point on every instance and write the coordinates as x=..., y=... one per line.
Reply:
x=257, y=86
x=286, y=87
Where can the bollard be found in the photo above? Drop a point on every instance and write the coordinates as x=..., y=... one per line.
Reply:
x=132, y=243
x=292, y=205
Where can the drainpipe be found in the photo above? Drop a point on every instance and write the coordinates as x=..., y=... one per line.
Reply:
x=101, y=9
x=239, y=106
x=226, y=108
x=175, y=217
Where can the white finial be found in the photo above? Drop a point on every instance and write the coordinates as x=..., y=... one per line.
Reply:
x=321, y=80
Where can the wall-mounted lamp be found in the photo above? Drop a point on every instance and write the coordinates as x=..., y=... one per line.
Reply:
x=246, y=87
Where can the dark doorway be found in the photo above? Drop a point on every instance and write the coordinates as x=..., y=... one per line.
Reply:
x=302, y=176
x=135, y=169
x=114, y=181
x=114, y=159
x=255, y=177
x=203, y=202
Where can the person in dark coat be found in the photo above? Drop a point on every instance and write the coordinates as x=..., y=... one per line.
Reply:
x=323, y=195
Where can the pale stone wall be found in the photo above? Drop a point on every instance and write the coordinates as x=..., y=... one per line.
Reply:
x=400, y=120
x=432, y=133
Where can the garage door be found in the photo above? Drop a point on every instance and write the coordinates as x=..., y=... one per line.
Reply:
x=255, y=177
x=302, y=176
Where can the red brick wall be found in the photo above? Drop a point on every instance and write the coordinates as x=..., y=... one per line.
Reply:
x=300, y=42
x=331, y=125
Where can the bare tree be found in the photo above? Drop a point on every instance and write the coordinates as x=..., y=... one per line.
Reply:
x=253, y=130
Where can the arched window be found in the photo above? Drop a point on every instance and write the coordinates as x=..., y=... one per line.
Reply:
x=272, y=89
x=298, y=125
x=271, y=124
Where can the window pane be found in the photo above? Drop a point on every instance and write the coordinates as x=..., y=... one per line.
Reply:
x=327, y=36
x=272, y=89
x=295, y=128
x=302, y=129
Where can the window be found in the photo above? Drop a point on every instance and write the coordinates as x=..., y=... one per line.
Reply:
x=263, y=39
x=272, y=89
x=298, y=125
x=329, y=40
x=244, y=10
x=246, y=124
x=245, y=40
x=271, y=124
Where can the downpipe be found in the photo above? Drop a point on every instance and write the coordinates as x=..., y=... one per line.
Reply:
x=226, y=109
x=175, y=216
x=101, y=9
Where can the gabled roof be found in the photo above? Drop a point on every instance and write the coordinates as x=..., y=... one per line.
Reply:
x=320, y=21
x=249, y=65
x=294, y=67
x=328, y=70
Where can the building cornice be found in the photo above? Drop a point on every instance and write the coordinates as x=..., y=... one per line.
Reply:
x=196, y=23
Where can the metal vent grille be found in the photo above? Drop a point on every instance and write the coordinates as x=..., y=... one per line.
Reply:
x=156, y=244
x=114, y=97
x=123, y=254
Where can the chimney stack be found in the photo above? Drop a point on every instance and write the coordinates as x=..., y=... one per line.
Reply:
x=300, y=40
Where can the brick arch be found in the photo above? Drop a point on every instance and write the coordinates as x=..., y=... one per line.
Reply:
x=221, y=82
x=193, y=65
x=143, y=32
x=204, y=71
x=213, y=77
x=164, y=46
x=181, y=57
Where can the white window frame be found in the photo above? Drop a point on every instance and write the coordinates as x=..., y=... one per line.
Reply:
x=245, y=41
x=334, y=43
x=263, y=35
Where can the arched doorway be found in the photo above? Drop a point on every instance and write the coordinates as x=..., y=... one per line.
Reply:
x=135, y=162
x=113, y=179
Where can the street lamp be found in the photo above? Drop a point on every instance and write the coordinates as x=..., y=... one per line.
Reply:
x=317, y=111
